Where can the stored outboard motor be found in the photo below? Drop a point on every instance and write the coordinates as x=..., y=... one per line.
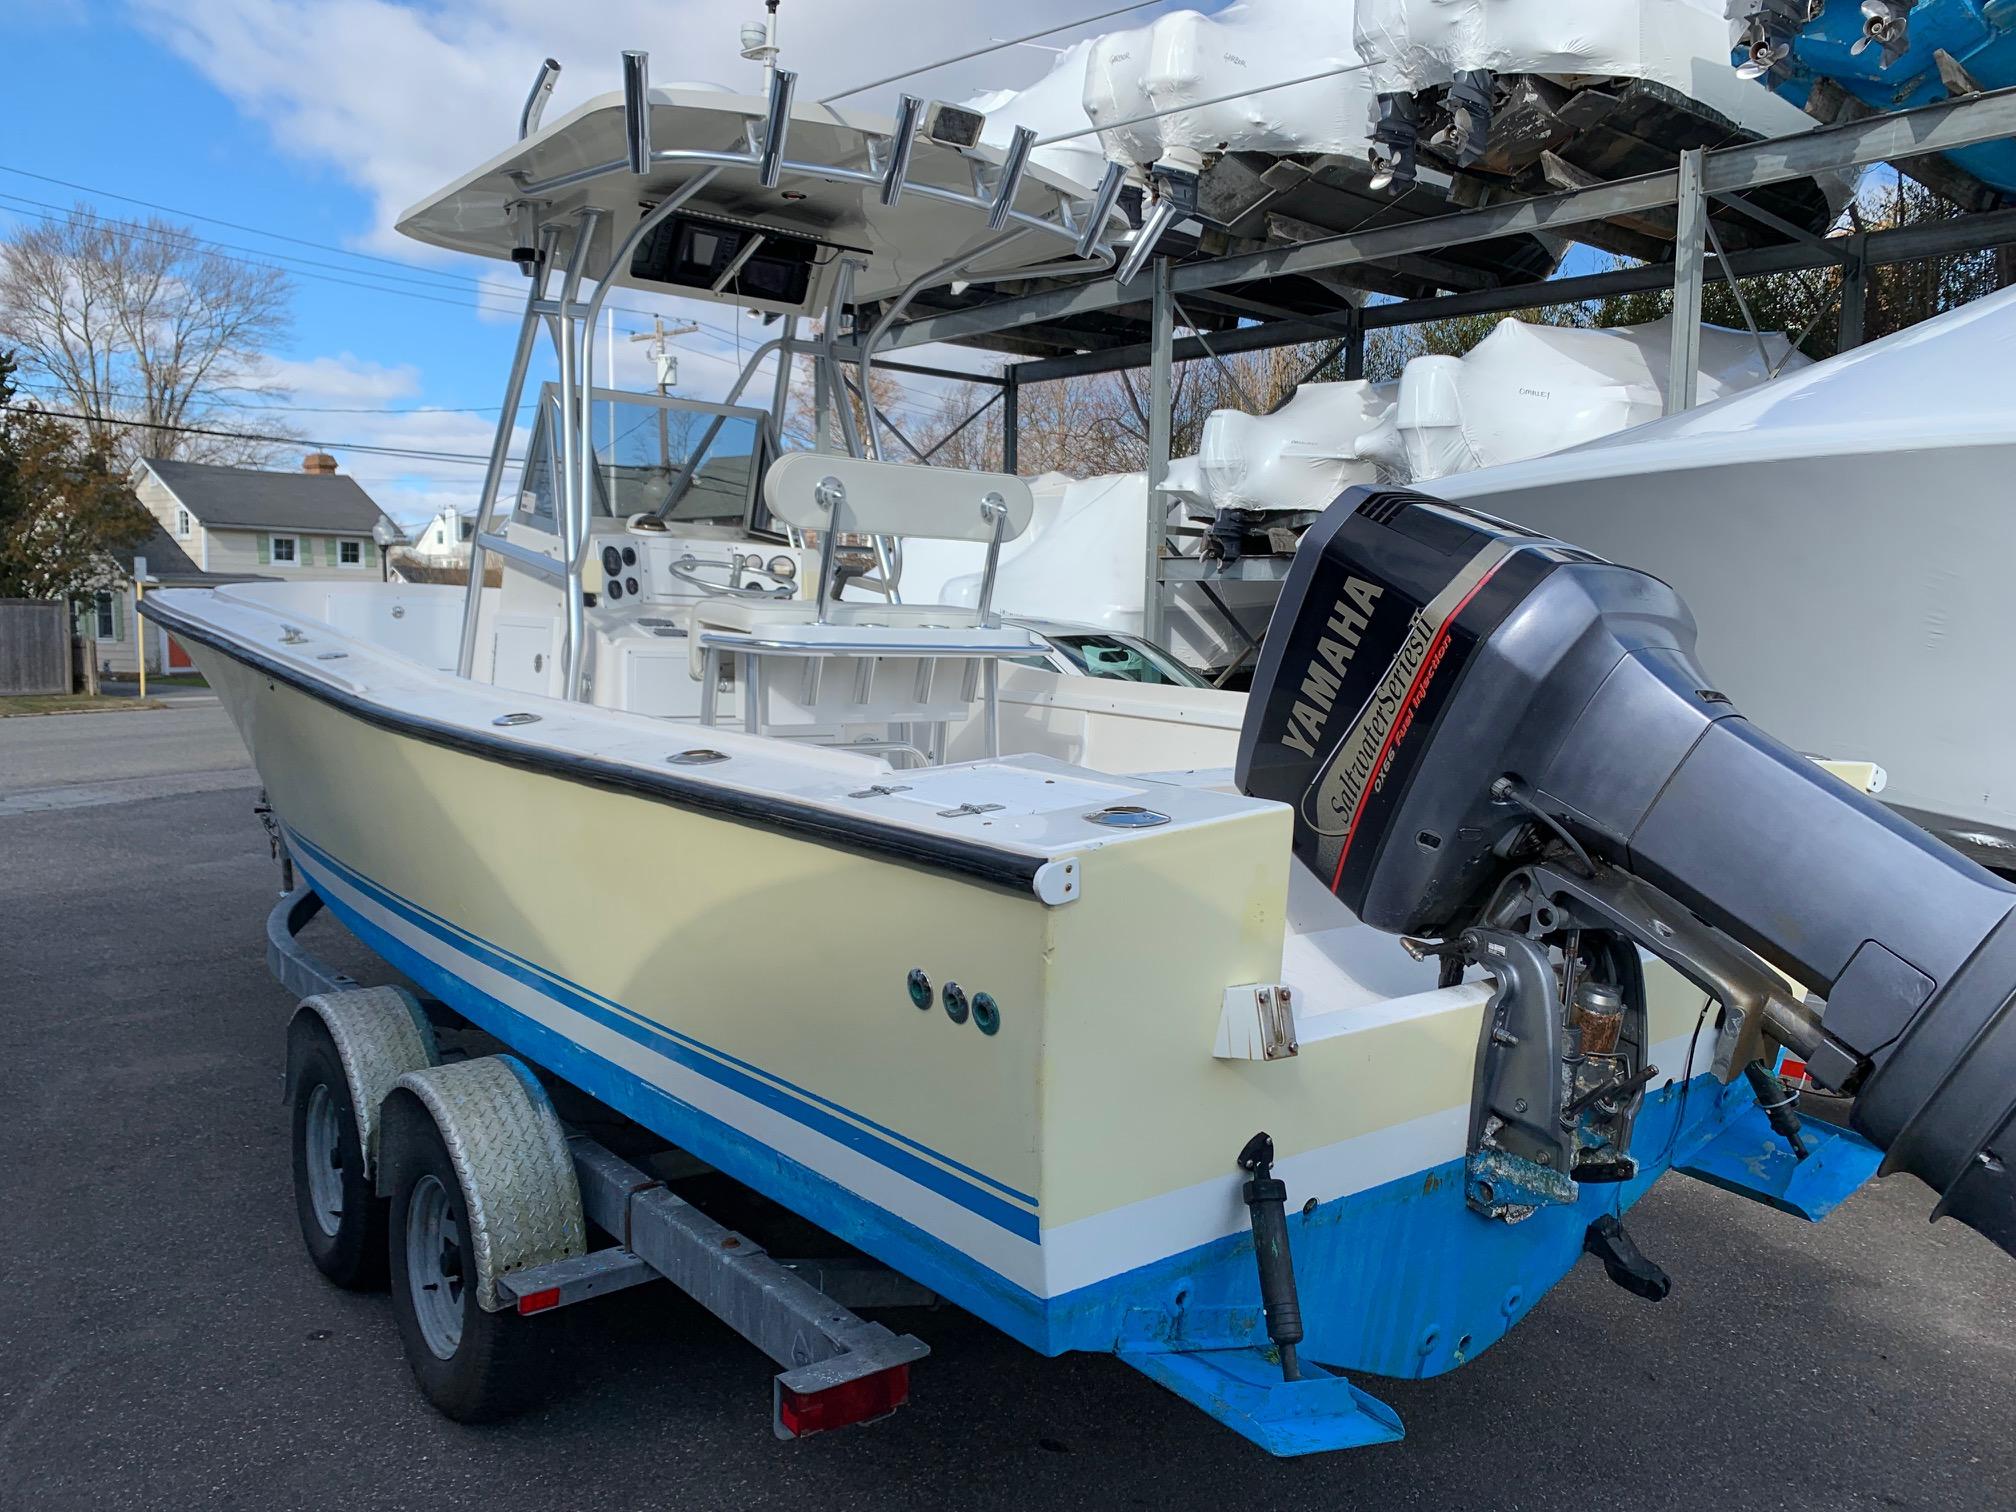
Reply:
x=1502, y=743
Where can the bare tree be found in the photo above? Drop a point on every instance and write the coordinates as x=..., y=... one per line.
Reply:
x=144, y=330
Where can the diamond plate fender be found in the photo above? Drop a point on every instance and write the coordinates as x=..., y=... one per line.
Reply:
x=519, y=1191
x=380, y=1034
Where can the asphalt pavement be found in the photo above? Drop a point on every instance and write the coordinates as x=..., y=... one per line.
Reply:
x=164, y=1341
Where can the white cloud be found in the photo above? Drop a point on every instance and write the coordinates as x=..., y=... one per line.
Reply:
x=344, y=380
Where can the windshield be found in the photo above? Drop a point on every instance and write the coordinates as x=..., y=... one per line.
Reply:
x=643, y=450
x=1123, y=658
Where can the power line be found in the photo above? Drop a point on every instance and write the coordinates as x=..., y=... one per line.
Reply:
x=368, y=449
x=1237, y=94
x=209, y=219
x=979, y=52
x=476, y=303
x=302, y=409
x=447, y=280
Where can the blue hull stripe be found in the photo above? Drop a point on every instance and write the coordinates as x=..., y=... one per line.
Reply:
x=884, y=1147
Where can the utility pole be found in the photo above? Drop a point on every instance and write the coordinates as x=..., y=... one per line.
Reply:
x=665, y=357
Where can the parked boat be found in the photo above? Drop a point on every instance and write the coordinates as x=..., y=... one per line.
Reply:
x=1041, y=989
x=1886, y=55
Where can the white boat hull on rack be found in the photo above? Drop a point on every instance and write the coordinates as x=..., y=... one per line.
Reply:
x=1844, y=536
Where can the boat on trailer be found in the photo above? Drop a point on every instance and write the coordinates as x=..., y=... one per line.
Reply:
x=1056, y=995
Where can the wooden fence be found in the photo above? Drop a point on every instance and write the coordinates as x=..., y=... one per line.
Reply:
x=34, y=646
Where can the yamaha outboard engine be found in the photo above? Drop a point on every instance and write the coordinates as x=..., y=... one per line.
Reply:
x=1502, y=746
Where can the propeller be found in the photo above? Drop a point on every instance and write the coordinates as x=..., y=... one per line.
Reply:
x=1885, y=24
x=1765, y=55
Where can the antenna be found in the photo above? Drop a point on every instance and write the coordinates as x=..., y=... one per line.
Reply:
x=759, y=40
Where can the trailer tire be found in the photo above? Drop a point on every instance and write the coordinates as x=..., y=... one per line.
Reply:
x=345, y=1050
x=481, y=1182
x=343, y=1219
x=475, y=1366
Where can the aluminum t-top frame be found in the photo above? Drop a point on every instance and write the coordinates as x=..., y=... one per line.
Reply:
x=871, y=210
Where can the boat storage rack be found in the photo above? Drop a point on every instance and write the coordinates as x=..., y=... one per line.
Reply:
x=836, y=1367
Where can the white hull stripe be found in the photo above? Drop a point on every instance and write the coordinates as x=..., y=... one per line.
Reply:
x=997, y=1203
x=1088, y=1250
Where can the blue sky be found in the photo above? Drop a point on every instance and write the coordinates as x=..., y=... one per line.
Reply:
x=162, y=132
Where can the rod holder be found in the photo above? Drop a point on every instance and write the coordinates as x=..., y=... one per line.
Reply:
x=1103, y=200
x=907, y=111
x=1160, y=219
x=1013, y=166
x=637, y=109
x=535, y=102
x=776, y=127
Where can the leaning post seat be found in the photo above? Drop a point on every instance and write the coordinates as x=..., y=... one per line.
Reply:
x=901, y=672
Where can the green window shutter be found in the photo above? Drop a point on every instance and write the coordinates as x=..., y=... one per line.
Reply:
x=265, y=550
x=332, y=552
x=119, y=615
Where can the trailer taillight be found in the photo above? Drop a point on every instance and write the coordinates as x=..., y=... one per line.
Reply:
x=857, y=1401
x=539, y=1301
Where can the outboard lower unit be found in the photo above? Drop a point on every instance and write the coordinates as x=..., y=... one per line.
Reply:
x=1502, y=746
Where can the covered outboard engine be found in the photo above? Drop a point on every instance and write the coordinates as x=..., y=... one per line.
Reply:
x=1502, y=746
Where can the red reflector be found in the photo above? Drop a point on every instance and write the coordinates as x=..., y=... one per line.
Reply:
x=878, y=1395
x=539, y=1301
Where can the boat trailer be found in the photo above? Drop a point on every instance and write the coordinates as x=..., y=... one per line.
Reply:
x=530, y=1214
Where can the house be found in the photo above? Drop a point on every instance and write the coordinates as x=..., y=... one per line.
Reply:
x=109, y=617
x=444, y=540
x=231, y=524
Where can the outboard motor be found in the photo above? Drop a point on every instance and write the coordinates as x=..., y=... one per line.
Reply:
x=1502, y=746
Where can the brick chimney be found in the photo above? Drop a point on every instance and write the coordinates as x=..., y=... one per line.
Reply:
x=320, y=463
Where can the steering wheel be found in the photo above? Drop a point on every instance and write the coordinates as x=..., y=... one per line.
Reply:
x=683, y=569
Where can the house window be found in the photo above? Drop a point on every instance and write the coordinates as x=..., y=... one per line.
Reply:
x=283, y=550
x=440, y=535
x=350, y=553
x=103, y=605
x=182, y=523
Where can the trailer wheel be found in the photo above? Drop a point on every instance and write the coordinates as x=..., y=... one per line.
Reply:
x=472, y=1364
x=481, y=1183
x=342, y=1217
x=344, y=1052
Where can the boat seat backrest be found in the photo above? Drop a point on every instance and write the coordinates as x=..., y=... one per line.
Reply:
x=894, y=498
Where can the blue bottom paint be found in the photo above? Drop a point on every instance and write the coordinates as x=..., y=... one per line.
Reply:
x=1981, y=34
x=1243, y=1389
x=1399, y=1280
x=1749, y=1158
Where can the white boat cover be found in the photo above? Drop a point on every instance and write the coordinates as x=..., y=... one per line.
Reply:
x=1843, y=536
x=1327, y=437
x=1528, y=390
x=1523, y=391
x=1683, y=44
x=1186, y=57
